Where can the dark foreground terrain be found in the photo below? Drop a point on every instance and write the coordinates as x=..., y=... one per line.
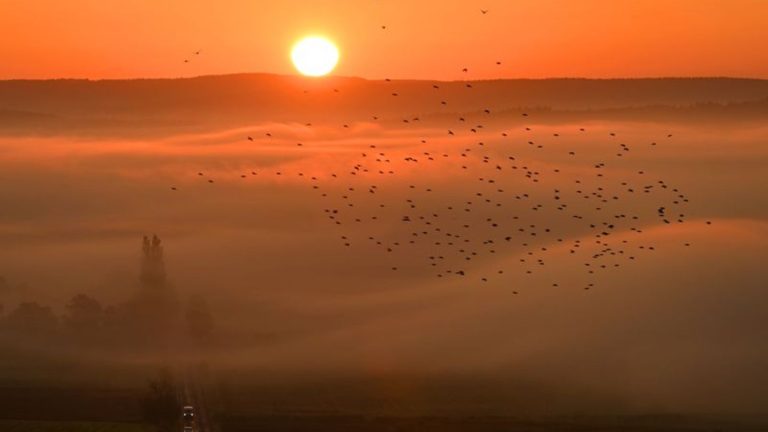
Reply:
x=489, y=424
x=48, y=409
x=56, y=409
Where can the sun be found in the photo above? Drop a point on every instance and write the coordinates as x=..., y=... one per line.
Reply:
x=315, y=56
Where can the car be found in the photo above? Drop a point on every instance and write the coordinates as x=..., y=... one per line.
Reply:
x=188, y=413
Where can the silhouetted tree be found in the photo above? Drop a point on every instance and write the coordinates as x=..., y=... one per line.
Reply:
x=160, y=405
x=85, y=316
x=155, y=310
x=31, y=319
x=152, y=263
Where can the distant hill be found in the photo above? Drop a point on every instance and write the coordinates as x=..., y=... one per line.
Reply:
x=235, y=99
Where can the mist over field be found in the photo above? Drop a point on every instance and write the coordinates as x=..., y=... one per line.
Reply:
x=286, y=208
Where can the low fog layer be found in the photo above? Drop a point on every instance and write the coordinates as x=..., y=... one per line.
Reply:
x=680, y=327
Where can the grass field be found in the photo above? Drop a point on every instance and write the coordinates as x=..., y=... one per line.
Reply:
x=40, y=403
x=54, y=426
x=487, y=424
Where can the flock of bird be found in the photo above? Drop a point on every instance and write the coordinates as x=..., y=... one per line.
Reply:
x=520, y=205
x=507, y=196
x=461, y=204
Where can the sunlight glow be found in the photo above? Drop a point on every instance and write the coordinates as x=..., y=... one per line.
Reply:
x=315, y=56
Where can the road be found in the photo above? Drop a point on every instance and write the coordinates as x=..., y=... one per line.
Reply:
x=192, y=393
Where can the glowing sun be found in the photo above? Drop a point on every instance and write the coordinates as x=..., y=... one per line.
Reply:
x=314, y=56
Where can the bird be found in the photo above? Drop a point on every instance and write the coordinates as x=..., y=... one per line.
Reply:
x=517, y=195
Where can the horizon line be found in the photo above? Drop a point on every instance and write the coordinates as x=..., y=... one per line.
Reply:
x=350, y=77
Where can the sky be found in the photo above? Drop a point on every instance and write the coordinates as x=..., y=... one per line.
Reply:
x=428, y=39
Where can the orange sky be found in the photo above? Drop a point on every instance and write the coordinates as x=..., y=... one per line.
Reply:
x=423, y=39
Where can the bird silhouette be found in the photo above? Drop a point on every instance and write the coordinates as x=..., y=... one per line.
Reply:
x=508, y=187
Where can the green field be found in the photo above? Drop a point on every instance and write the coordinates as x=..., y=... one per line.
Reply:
x=54, y=426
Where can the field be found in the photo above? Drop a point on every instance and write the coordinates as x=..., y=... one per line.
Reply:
x=491, y=424
x=55, y=426
x=39, y=408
